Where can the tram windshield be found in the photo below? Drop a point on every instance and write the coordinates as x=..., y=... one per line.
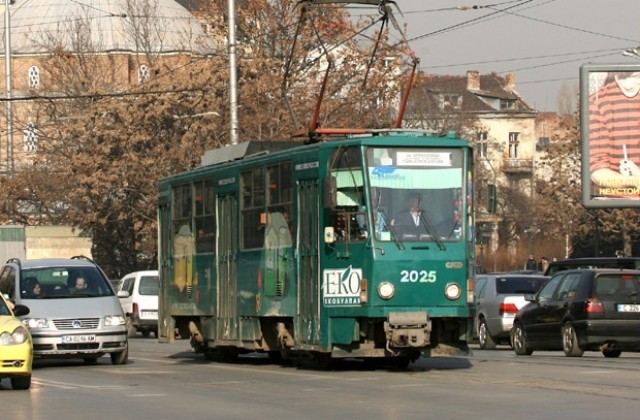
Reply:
x=416, y=194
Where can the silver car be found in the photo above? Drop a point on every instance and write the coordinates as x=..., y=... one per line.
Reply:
x=74, y=309
x=498, y=297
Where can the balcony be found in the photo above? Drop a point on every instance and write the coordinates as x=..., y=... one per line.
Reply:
x=517, y=166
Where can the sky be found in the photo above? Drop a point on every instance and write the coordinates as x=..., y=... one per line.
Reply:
x=542, y=42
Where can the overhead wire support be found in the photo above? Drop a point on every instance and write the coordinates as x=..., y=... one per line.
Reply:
x=384, y=8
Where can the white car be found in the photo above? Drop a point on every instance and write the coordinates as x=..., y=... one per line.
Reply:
x=140, y=302
x=73, y=312
x=498, y=298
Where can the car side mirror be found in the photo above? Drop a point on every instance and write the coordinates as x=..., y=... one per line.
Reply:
x=123, y=294
x=21, y=310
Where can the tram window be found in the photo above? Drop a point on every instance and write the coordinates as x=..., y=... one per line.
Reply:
x=205, y=217
x=205, y=234
x=182, y=210
x=204, y=198
x=346, y=169
x=279, y=181
x=253, y=208
x=182, y=201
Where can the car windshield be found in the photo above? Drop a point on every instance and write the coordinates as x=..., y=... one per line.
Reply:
x=63, y=282
x=519, y=285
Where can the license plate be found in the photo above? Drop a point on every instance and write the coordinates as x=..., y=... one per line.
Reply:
x=149, y=315
x=79, y=338
x=628, y=308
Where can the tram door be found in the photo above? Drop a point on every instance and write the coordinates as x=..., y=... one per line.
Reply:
x=308, y=309
x=165, y=324
x=226, y=323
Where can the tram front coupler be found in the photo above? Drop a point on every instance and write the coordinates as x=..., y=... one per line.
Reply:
x=407, y=330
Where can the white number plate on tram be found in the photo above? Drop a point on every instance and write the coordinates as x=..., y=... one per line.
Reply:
x=90, y=338
x=628, y=308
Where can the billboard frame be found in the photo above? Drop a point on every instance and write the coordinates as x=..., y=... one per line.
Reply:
x=616, y=195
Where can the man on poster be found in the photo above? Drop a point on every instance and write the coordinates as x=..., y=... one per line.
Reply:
x=614, y=136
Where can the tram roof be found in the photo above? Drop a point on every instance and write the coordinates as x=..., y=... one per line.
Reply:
x=246, y=149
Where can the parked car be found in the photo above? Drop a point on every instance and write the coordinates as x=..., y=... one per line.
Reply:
x=632, y=263
x=140, y=302
x=498, y=298
x=74, y=311
x=582, y=310
x=16, y=348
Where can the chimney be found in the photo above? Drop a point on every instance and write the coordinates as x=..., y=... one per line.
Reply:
x=510, y=80
x=473, y=80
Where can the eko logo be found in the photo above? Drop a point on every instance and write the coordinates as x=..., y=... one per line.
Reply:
x=341, y=287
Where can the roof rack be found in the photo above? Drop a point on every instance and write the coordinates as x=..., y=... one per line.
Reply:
x=15, y=261
x=82, y=257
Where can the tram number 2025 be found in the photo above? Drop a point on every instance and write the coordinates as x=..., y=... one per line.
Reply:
x=417, y=276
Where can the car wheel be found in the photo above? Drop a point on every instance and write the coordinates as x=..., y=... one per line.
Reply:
x=120, y=357
x=131, y=329
x=570, y=344
x=486, y=342
x=611, y=353
x=519, y=341
x=21, y=382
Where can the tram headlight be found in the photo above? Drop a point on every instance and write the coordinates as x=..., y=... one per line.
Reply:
x=386, y=290
x=452, y=291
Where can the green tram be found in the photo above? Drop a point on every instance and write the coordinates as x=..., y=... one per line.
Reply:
x=298, y=250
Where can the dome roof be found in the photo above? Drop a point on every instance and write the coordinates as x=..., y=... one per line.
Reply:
x=39, y=26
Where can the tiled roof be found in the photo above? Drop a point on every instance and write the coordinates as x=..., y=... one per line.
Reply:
x=492, y=89
x=37, y=25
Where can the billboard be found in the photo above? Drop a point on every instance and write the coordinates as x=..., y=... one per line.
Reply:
x=610, y=131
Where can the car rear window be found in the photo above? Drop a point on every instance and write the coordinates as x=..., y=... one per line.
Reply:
x=519, y=285
x=617, y=284
x=149, y=286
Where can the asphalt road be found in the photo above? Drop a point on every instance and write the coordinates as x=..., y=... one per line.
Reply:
x=168, y=381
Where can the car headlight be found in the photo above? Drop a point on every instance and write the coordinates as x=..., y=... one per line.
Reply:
x=386, y=290
x=113, y=320
x=33, y=323
x=18, y=336
x=452, y=291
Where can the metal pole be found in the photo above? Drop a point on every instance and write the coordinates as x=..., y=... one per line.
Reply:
x=233, y=94
x=7, y=66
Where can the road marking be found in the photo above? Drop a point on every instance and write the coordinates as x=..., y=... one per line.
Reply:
x=147, y=395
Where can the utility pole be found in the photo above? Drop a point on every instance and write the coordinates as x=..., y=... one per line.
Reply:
x=233, y=82
x=7, y=67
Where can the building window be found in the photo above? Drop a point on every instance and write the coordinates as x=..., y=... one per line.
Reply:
x=507, y=104
x=30, y=138
x=34, y=77
x=143, y=73
x=514, y=140
x=482, y=144
x=448, y=101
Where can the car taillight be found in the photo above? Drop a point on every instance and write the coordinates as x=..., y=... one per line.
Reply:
x=508, y=309
x=594, y=305
x=135, y=308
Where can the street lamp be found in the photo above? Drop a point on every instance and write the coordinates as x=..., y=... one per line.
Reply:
x=531, y=232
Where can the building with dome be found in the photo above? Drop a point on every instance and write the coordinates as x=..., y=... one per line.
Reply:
x=60, y=50
x=128, y=42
